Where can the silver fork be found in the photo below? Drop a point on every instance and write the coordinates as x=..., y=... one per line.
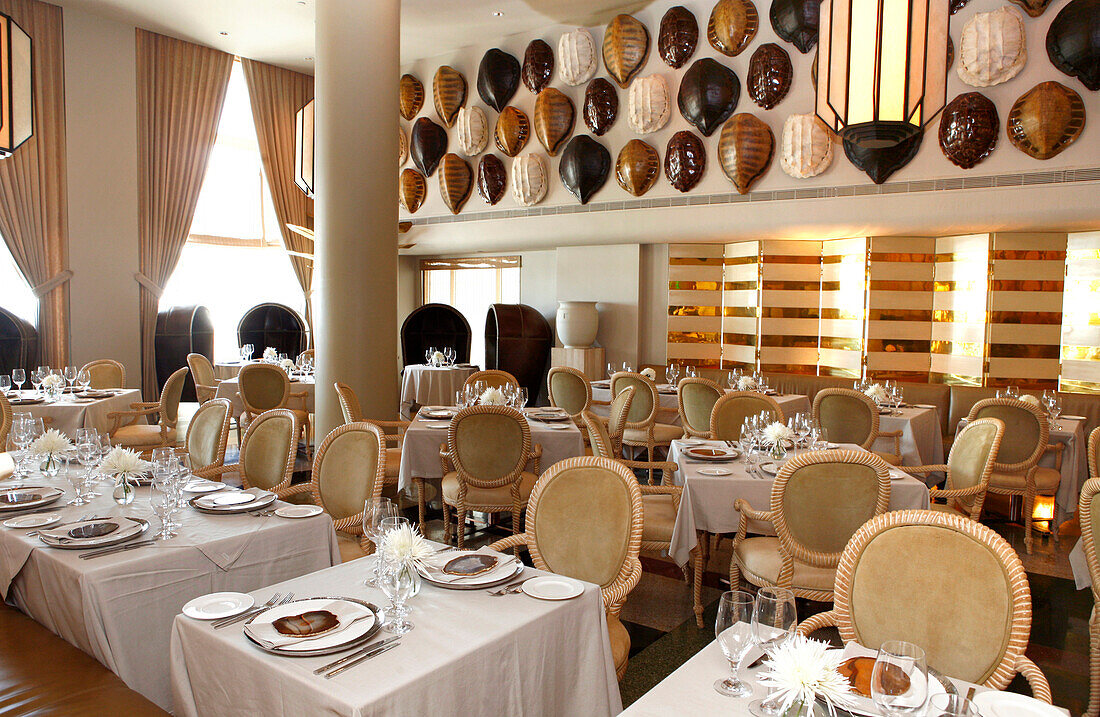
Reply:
x=507, y=588
x=32, y=533
x=247, y=613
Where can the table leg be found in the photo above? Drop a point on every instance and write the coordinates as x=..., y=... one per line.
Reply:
x=699, y=565
x=419, y=483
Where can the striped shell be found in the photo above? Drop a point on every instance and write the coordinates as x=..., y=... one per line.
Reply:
x=993, y=48
x=411, y=190
x=637, y=167
x=529, y=179
x=745, y=150
x=538, y=66
x=770, y=75
x=678, y=36
x=456, y=180
x=1046, y=119
x=732, y=26
x=968, y=129
x=512, y=131
x=685, y=160
x=806, y=146
x=625, y=48
x=402, y=148
x=576, y=57
x=410, y=96
x=472, y=128
x=449, y=93
x=649, y=106
x=427, y=145
x=554, y=115
x=492, y=178
x=601, y=106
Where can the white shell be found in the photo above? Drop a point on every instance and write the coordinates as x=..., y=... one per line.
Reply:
x=576, y=57
x=993, y=48
x=529, y=179
x=807, y=146
x=402, y=148
x=472, y=128
x=649, y=104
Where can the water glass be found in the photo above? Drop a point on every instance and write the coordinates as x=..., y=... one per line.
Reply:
x=398, y=583
x=83, y=379
x=521, y=398
x=19, y=377
x=5, y=384
x=36, y=379
x=945, y=705
x=733, y=628
x=161, y=501
x=774, y=617
x=374, y=512
x=70, y=375
x=899, y=680
x=689, y=372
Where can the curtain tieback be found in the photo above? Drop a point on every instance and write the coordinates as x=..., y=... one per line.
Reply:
x=52, y=283
x=151, y=286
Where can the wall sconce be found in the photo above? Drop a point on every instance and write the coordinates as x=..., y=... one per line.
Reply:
x=303, y=148
x=16, y=98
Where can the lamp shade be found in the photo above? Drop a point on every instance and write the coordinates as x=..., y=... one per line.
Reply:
x=882, y=71
x=303, y=148
x=16, y=100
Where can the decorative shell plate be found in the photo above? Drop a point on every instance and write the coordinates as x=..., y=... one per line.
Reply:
x=968, y=129
x=427, y=145
x=529, y=179
x=456, y=179
x=1032, y=7
x=601, y=106
x=685, y=160
x=993, y=48
x=770, y=75
x=806, y=146
x=625, y=48
x=584, y=166
x=745, y=150
x=492, y=178
x=637, y=167
x=410, y=96
x=648, y=104
x=402, y=148
x=554, y=116
x=678, y=36
x=708, y=94
x=732, y=26
x=497, y=78
x=512, y=131
x=955, y=5
x=411, y=190
x=1046, y=119
x=538, y=66
x=576, y=57
x=472, y=128
x=449, y=93
x=1073, y=41
x=309, y=624
x=796, y=21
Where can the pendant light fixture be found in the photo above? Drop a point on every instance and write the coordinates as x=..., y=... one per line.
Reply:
x=303, y=148
x=16, y=100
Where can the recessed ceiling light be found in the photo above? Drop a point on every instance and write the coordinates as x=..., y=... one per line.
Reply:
x=310, y=59
x=497, y=13
x=223, y=33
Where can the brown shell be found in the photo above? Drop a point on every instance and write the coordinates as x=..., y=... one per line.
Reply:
x=685, y=160
x=492, y=178
x=1032, y=7
x=796, y=21
x=427, y=145
x=411, y=96
x=732, y=26
x=678, y=36
x=637, y=167
x=601, y=106
x=956, y=5
x=770, y=75
x=456, y=179
x=538, y=66
x=554, y=115
x=745, y=150
x=1073, y=41
x=412, y=189
x=1046, y=119
x=449, y=93
x=625, y=48
x=813, y=66
x=968, y=129
x=402, y=147
x=512, y=132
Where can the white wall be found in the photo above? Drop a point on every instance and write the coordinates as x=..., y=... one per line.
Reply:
x=607, y=275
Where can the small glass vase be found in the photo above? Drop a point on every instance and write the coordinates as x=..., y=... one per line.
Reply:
x=399, y=583
x=53, y=394
x=778, y=450
x=124, y=491
x=51, y=466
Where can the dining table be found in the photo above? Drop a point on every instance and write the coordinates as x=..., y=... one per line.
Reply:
x=789, y=403
x=230, y=388
x=920, y=443
x=229, y=369
x=427, y=385
x=469, y=652
x=73, y=411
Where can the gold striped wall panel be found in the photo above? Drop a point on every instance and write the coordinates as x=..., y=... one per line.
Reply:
x=790, y=279
x=695, y=304
x=740, y=304
x=961, y=282
x=842, y=307
x=899, y=308
x=1081, y=315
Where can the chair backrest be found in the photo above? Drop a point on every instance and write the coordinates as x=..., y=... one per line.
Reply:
x=307, y=354
x=5, y=423
x=493, y=378
x=490, y=445
x=208, y=432
x=733, y=408
x=1088, y=514
x=201, y=369
x=262, y=387
x=644, y=405
x=268, y=449
x=971, y=460
x=966, y=599
x=349, y=403
x=1027, y=431
x=568, y=388
x=606, y=439
x=695, y=399
x=348, y=470
x=1094, y=453
x=617, y=415
x=106, y=373
x=170, y=396
x=849, y=416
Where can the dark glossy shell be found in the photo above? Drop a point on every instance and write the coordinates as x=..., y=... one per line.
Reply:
x=554, y=116
x=449, y=93
x=1032, y=7
x=512, y=131
x=678, y=36
x=708, y=94
x=492, y=178
x=637, y=167
x=770, y=75
x=968, y=129
x=950, y=57
x=796, y=21
x=456, y=180
x=879, y=164
x=427, y=145
x=745, y=150
x=411, y=190
x=1046, y=119
x=538, y=65
x=410, y=96
x=813, y=69
x=956, y=5
x=601, y=106
x=497, y=78
x=685, y=160
x=1073, y=41
x=732, y=25
x=307, y=624
x=584, y=167
x=625, y=48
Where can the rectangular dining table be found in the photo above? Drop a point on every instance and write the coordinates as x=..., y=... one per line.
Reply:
x=921, y=441
x=119, y=608
x=229, y=388
x=72, y=413
x=424, y=385
x=789, y=403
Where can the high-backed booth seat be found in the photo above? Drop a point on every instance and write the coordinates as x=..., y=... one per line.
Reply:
x=436, y=325
x=518, y=340
x=18, y=343
x=273, y=325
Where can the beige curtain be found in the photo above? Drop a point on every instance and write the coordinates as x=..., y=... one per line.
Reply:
x=180, y=91
x=34, y=214
x=277, y=95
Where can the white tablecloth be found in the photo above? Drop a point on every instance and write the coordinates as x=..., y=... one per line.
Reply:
x=119, y=608
x=921, y=441
x=229, y=389
x=228, y=369
x=70, y=414
x=790, y=403
x=432, y=385
x=469, y=654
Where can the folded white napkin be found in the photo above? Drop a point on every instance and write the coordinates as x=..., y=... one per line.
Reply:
x=207, y=501
x=433, y=567
x=347, y=613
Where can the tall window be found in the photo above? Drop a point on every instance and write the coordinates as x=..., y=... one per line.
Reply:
x=15, y=294
x=471, y=286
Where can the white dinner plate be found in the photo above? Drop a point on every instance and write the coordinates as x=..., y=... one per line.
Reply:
x=715, y=472
x=689, y=442
x=232, y=498
x=33, y=521
x=216, y=605
x=558, y=426
x=1010, y=704
x=353, y=633
x=438, y=413
x=1074, y=418
x=299, y=511
x=553, y=587
x=203, y=486
x=437, y=424
x=27, y=497
x=770, y=467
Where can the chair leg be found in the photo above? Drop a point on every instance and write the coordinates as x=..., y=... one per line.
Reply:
x=419, y=483
x=517, y=513
x=446, y=523
x=461, y=526
x=1029, y=508
x=697, y=584
x=1093, y=710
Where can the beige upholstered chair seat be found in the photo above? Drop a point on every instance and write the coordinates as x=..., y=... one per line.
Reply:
x=393, y=462
x=142, y=434
x=301, y=415
x=662, y=433
x=1046, y=480
x=892, y=458
x=350, y=549
x=620, y=642
x=488, y=496
x=950, y=508
x=760, y=562
x=660, y=516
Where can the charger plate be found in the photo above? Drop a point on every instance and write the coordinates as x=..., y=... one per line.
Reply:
x=296, y=606
x=115, y=538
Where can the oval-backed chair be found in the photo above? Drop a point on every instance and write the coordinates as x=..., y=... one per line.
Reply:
x=1088, y=514
x=968, y=468
x=5, y=422
x=695, y=399
x=202, y=371
x=943, y=582
x=493, y=378
x=143, y=437
x=263, y=387
x=348, y=471
x=268, y=451
x=585, y=521
x=207, y=436
x=642, y=428
x=105, y=373
x=569, y=389
x=731, y=410
x=852, y=417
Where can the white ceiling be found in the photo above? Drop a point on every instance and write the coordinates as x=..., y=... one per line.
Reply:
x=281, y=31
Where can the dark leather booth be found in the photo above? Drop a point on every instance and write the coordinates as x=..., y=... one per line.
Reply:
x=436, y=325
x=273, y=325
x=182, y=330
x=18, y=344
x=518, y=340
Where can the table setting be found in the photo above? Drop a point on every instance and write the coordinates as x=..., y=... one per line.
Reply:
x=64, y=399
x=921, y=442
x=435, y=381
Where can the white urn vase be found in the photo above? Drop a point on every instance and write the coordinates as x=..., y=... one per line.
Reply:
x=577, y=323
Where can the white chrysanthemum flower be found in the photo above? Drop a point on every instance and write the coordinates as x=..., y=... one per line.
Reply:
x=123, y=461
x=801, y=670
x=271, y=353
x=438, y=359
x=51, y=443
x=287, y=365
x=746, y=383
x=777, y=433
x=1030, y=399
x=876, y=393
x=406, y=546
x=493, y=397
x=650, y=374
x=53, y=381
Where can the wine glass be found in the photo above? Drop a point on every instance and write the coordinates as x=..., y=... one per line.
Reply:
x=21, y=437
x=899, y=680
x=610, y=370
x=947, y=705
x=670, y=374
x=87, y=454
x=160, y=500
x=450, y=354
x=773, y=620
x=84, y=379
x=690, y=372
x=733, y=628
x=19, y=377
x=36, y=379
x=70, y=375
x=374, y=512
x=521, y=398
x=5, y=384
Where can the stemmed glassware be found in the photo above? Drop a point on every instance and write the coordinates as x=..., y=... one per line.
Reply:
x=672, y=374
x=450, y=354
x=374, y=512
x=689, y=371
x=5, y=384
x=70, y=375
x=733, y=628
x=19, y=377
x=37, y=376
x=1052, y=402
x=84, y=379
x=773, y=621
x=899, y=680
x=87, y=454
x=947, y=705
x=21, y=437
x=398, y=584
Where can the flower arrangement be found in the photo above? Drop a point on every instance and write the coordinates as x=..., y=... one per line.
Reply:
x=405, y=546
x=438, y=359
x=1030, y=399
x=287, y=365
x=492, y=397
x=122, y=462
x=53, y=381
x=271, y=353
x=801, y=670
x=650, y=374
x=876, y=392
x=746, y=383
x=52, y=443
x=776, y=434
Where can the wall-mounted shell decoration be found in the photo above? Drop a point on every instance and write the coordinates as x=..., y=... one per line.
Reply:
x=554, y=115
x=456, y=179
x=497, y=78
x=449, y=93
x=529, y=179
x=648, y=104
x=745, y=150
x=1032, y=7
x=1073, y=41
x=625, y=48
x=538, y=66
x=879, y=164
x=993, y=48
x=806, y=148
x=427, y=145
x=402, y=147
x=770, y=75
x=472, y=128
x=601, y=106
x=1046, y=120
x=950, y=57
x=955, y=5
x=512, y=131
x=685, y=160
x=576, y=57
x=708, y=94
x=968, y=129
x=410, y=96
x=678, y=36
x=813, y=70
x=637, y=167
x=796, y=21
x=411, y=190
x=732, y=25
x=492, y=178
x=584, y=167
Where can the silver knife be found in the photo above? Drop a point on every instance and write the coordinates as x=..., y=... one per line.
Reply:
x=119, y=549
x=353, y=663
x=356, y=653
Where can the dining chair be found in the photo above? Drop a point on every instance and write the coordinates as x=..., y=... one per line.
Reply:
x=493, y=378
x=852, y=417
x=105, y=373
x=731, y=410
x=695, y=399
x=393, y=439
x=267, y=455
x=263, y=387
x=143, y=437
x=307, y=354
x=5, y=422
x=642, y=429
x=819, y=500
x=202, y=371
x=569, y=389
x=585, y=521
x=349, y=469
x=1016, y=470
x=1088, y=515
x=485, y=465
x=614, y=424
x=207, y=436
x=941, y=581
x=968, y=468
